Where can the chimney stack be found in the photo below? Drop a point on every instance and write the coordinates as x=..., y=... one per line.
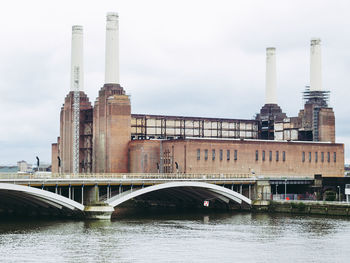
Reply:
x=271, y=78
x=77, y=57
x=112, y=49
x=315, y=65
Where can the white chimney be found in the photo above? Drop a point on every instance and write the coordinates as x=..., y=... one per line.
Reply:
x=77, y=57
x=315, y=65
x=112, y=49
x=271, y=78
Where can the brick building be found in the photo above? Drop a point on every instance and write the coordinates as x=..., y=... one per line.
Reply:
x=260, y=157
x=112, y=140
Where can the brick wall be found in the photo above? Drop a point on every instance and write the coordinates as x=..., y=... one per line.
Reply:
x=54, y=160
x=111, y=130
x=144, y=156
x=326, y=125
x=250, y=157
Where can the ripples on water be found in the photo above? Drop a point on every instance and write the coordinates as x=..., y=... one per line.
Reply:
x=179, y=237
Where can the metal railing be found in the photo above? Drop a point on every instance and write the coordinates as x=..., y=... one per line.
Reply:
x=287, y=197
x=129, y=176
x=310, y=197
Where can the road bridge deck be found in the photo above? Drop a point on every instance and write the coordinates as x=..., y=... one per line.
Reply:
x=122, y=179
x=48, y=179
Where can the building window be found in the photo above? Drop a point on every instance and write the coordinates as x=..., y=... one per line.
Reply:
x=284, y=156
x=206, y=154
x=228, y=155
x=263, y=155
x=256, y=155
x=328, y=157
x=221, y=155
x=322, y=156
x=213, y=157
x=198, y=154
x=236, y=155
x=316, y=159
x=310, y=157
x=277, y=156
x=303, y=157
x=270, y=156
x=335, y=157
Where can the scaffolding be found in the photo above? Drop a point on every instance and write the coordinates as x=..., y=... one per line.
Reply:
x=318, y=97
x=86, y=140
x=76, y=121
x=315, y=122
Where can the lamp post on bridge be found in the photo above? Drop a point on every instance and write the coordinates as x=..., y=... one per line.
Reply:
x=37, y=163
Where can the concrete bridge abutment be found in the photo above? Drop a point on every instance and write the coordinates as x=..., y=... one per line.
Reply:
x=263, y=190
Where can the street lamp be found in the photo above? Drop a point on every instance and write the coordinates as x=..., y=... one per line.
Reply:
x=37, y=162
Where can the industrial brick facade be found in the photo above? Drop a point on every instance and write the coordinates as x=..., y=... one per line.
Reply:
x=144, y=156
x=116, y=149
x=111, y=133
x=65, y=141
x=263, y=158
x=326, y=126
x=54, y=155
x=112, y=140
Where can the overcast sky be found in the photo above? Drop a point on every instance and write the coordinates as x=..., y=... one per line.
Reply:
x=191, y=58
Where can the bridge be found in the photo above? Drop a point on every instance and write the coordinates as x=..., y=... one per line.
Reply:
x=97, y=195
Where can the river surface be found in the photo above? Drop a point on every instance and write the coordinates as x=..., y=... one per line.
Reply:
x=179, y=237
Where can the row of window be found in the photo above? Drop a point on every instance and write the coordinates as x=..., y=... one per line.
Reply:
x=221, y=154
x=264, y=155
x=322, y=157
x=277, y=154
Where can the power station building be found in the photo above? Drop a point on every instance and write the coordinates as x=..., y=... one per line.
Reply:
x=113, y=140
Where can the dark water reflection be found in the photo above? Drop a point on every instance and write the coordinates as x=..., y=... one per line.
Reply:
x=179, y=237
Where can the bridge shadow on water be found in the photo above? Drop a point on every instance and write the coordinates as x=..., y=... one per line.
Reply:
x=174, y=213
x=162, y=203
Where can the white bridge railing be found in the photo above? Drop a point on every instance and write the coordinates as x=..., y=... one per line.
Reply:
x=126, y=176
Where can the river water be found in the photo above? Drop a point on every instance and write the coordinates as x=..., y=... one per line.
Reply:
x=179, y=237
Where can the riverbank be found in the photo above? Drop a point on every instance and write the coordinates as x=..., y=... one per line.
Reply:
x=303, y=207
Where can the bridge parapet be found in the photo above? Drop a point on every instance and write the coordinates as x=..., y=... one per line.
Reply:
x=166, y=176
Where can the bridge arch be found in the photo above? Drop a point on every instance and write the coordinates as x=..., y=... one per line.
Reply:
x=219, y=192
x=26, y=197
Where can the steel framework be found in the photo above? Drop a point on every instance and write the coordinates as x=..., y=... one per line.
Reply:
x=76, y=120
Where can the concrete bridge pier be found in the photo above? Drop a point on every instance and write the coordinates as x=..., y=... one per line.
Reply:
x=100, y=211
x=94, y=209
x=91, y=194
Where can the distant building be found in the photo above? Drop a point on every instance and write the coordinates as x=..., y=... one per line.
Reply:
x=23, y=166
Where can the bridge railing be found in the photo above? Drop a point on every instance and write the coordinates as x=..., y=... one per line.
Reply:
x=126, y=176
